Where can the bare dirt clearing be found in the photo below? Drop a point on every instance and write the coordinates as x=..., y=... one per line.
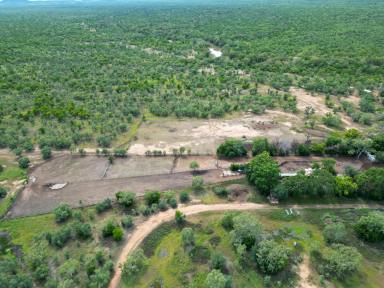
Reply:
x=203, y=136
x=91, y=179
x=317, y=101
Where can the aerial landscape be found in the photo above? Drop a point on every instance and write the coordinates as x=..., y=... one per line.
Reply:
x=191, y=143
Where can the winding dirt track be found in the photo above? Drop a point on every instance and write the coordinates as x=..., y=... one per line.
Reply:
x=144, y=229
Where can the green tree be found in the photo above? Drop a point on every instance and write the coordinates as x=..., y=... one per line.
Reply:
x=184, y=197
x=341, y=261
x=216, y=279
x=62, y=212
x=127, y=221
x=335, y=233
x=3, y=192
x=121, y=153
x=24, y=162
x=247, y=230
x=371, y=183
x=345, y=186
x=109, y=227
x=126, y=199
x=152, y=197
x=179, y=217
x=117, y=233
x=188, y=237
x=260, y=145
x=135, y=264
x=197, y=184
x=82, y=230
x=271, y=257
x=371, y=227
x=263, y=172
x=231, y=148
x=218, y=261
x=194, y=166
x=46, y=152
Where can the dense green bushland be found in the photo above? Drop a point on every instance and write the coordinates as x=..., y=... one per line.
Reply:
x=70, y=75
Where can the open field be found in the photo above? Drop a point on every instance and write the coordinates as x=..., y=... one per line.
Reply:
x=203, y=136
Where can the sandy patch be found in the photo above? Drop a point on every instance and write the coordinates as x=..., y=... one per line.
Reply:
x=305, y=99
x=305, y=273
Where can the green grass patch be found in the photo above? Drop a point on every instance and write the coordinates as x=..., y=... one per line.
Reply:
x=23, y=230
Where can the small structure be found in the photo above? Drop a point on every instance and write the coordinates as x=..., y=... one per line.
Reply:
x=229, y=173
x=215, y=53
x=57, y=186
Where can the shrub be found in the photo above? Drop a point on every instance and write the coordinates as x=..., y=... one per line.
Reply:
x=172, y=202
x=220, y=191
x=317, y=148
x=227, y=220
x=24, y=162
x=135, y=264
x=126, y=199
x=329, y=165
x=197, y=184
x=341, y=261
x=145, y=210
x=59, y=238
x=231, y=148
x=280, y=192
x=1, y=168
x=271, y=257
x=179, y=217
x=104, y=141
x=260, y=145
x=82, y=230
x=351, y=171
x=121, y=153
x=46, y=152
x=117, y=234
x=62, y=212
x=194, y=165
x=3, y=192
x=218, y=261
x=335, y=233
x=108, y=228
x=163, y=205
x=247, y=230
x=104, y=205
x=263, y=172
x=303, y=150
x=127, y=222
x=371, y=183
x=184, y=197
x=216, y=279
x=371, y=227
x=187, y=237
x=345, y=186
x=152, y=197
x=154, y=208
x=332, y=120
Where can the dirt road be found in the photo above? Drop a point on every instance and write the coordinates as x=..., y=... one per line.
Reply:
x=145, y=228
